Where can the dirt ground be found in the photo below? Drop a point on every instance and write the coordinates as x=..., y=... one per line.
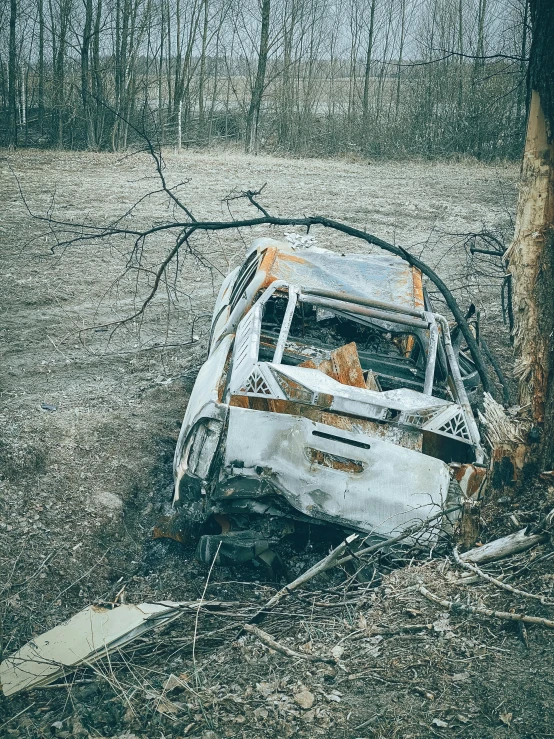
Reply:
x=88, y=423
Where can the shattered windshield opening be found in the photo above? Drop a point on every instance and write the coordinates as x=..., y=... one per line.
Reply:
x=389, y=360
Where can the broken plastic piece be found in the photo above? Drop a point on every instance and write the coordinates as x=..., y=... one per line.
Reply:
x=89, y=635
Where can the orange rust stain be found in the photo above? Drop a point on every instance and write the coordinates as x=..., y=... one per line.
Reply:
x=309, y=364
x=223, y=379
x=239, y=401
x=277, y=270
x=473, y=481
x=259, y=404
x=346, y=365
x=267, y=265
x=337, y=463
x=169, y=527
x=326, y=366
x=409, y=344
x=288, y=257
x=419, y=301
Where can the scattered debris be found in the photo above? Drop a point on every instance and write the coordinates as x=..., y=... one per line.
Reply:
x=305, y=699
x=506, y=718
x=270, y=642
x=89, y=635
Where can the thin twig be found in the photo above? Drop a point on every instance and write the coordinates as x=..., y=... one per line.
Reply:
x=498, y=583
x=269, y=641
x=482, y=611
x=27, y=708
x=198, y=611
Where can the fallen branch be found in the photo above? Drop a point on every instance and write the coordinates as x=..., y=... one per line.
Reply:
x=504, y=547
x=321, y=566
x=482, y=611
x=270, y=642
x=404, y=535
x=498, y=583
x=332, y=560
x=184, y=230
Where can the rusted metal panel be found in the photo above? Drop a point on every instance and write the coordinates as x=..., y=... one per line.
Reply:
x=325, y=459
x=417, y=282
x=346, y=365
x=384, y=277
x=170, y=527
x=288, y=410
x=343, y=366
x=409, y=438
x=470, y=478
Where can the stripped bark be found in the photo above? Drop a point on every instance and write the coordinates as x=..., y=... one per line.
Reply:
x=530, y=257
x=504, y=547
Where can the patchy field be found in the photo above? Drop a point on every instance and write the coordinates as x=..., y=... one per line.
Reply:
x=89, y=419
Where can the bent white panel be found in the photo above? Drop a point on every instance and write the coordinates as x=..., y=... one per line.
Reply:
x=204, y=393
x=395, y=487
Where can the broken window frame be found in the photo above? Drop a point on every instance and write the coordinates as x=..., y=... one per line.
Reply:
x=388, y=316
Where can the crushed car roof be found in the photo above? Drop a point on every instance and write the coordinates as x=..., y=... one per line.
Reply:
x=386, y=278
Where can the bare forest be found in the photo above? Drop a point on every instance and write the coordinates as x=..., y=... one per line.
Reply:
x=438, y=78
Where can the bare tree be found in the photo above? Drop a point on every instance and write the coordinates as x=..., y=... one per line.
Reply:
x=316, y=77
x=253, y=116
x=12, y=77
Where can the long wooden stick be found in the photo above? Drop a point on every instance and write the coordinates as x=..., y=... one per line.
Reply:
x=498, y=583
x=504, y=547
x=321, y=566
x=269, y=641
x=481, y=611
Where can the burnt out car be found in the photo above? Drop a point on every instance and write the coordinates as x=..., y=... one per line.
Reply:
x=332, y=393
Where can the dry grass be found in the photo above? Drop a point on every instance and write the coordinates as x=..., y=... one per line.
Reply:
x=82, y=485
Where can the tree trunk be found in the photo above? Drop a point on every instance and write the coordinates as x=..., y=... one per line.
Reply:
x=367, y=70
x=97, y=83
x=202, y=77
x=85, y=85
x=400, y=56
x=253, y=116
x=12, y=79
x=41, y=65
x=530, y=257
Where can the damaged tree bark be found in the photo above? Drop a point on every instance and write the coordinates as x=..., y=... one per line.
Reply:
x=530, y=257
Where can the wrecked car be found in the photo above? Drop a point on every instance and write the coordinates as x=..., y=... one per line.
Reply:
x=332, y=393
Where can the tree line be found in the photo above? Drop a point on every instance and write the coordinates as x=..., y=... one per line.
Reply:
x=392, y=78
